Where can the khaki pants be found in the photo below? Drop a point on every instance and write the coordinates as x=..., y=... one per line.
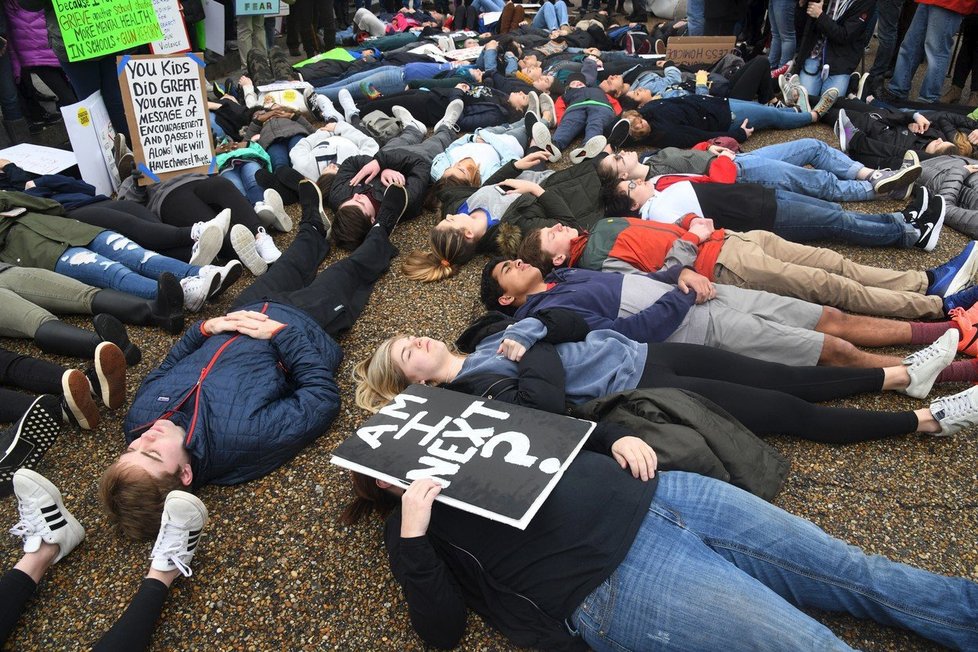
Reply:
x=760, y=260
x=251, y=36
x=30, y=295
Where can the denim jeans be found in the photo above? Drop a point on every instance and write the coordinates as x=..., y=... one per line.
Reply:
x=716, y=568
x=216, y=130
x=243, y=177
x=551, y=15
x=800, y=218
x=814, y=83
x=486, y=6
x=696, y=16
x=761, y=116
x=832, y=176
x=278, y=151
x=593, y=120
x=887, y=17
x=114, y=261
x=781, y=15
x=387, y=80
x=931, y=33
x=9, y=97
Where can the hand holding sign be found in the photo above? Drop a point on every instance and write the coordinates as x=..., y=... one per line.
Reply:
x=416, y=505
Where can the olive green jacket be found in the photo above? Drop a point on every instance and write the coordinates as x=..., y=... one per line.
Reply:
x=34, y=233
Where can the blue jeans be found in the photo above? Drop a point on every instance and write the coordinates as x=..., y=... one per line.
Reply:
x=781, y=15
x=931, y=33
x=814, y=84
x=386, y=79
x=486, y=6
x=761, y=116
x=551, y=15
x=800, y=218
x=216, y=129
x=593, y=120
x=242, y=175
x=832, y=177
x=696, y=16
x=114, y=261
x=716, y=568
x=887, y=17
x=279, y=151
x=9, y=97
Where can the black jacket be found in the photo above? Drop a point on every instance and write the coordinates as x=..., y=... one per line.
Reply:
x=844, y=38
x=688, y=120
x=417, y=176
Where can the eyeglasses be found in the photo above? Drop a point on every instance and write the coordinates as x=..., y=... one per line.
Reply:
x=631, y=186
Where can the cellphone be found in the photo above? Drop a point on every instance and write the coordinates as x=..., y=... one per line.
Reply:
x=500, y=190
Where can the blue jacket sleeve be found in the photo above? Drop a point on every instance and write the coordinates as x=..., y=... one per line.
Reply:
x=657, y=322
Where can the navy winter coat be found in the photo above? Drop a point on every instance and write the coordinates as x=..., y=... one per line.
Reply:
x=248, y=405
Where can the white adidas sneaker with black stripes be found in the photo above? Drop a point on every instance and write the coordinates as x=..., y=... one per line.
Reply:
x=184, y=518
x=43, y=517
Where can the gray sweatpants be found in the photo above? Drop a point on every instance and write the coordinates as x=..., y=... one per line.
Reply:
x=30, y=296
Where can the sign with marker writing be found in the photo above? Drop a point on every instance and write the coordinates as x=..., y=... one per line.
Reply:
x=94, y=28
x=698, y=49
x=256, y=7
x=166, y=107
x=494, y=459
x=175, y=37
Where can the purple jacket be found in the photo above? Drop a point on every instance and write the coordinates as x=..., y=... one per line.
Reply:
x=28, y=35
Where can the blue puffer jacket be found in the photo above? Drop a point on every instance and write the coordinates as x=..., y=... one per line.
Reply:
x=248, y=405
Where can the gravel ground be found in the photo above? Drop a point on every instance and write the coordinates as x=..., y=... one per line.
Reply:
x=275, y=570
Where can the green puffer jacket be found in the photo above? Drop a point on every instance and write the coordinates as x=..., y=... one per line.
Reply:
x=34, y=233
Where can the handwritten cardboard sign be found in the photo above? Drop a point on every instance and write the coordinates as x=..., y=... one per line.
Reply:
x=494, y=459
x=94, y=28
x=165, y=97
x=175, y=38
x=698, y=49
x=256, y=7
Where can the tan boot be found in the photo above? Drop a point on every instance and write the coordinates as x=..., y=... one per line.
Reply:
x=972, y=100
x=952, y=95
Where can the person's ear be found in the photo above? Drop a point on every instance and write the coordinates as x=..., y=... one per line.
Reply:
x=383, y=485
x=373, y=220
x=623, y=176
x=468, y=234
x=186, y=475
x=558, y=260
x=505, y=300
x=634, y=205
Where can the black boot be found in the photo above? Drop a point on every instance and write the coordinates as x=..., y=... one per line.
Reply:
x=166, y=311
x=111, y=329
x=56, y=336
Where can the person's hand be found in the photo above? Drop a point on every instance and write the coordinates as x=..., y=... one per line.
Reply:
x=719, y=150
x=973, y=137
x=923, y=122
x=256, y=138
x=814, y=9
x=690, y=280
x=679, y=24
x=244, y=80
x=29, y=185
x=531, y=160
x=4, y=162
x=416, y=502
x=702, y=228
x=635, y=455
x=746, y=129
x=478, y=139
x=391, y=178
x=915, y=128
x=328, y=127
x=492, y=45
x=520, y=186
x=465, y=88
x=366, y=173
x=512, y=349
x=255, y=325
x=971, y=168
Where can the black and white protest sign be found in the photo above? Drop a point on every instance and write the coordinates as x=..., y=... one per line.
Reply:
x=494, y=459
x=165, y=97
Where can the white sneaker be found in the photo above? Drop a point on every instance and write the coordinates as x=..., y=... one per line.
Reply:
x=548, y=112
x=956, y=412
x=183, y=520
x=533, y=102
x=591, y=148
x=349, y=106
x=227, y=274
x=452, y=114
x=243, y=244
x=266, y=247
x=43, y=517
x=208, y=240
x=196, y=289
x=223, y=220
x=925, y=365
x=408, y=120
x=326, y=107
x=275, y=213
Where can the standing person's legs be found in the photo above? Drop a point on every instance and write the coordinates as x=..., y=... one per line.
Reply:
x=696, y=17
x=245, y=27
x=782, y=17
x=967, y=61
x=942, y=25
x=54, y=79
x=800, y=218
x=886, y=33
x=911, y=53
x=86, y=77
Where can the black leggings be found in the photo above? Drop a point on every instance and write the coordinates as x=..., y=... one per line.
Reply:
x=425, y=106
x=771, y=398
x=199, y=201
x=139, y=224
x=337, y=295
x=25, y=372
x=752, y=81
x=967, y=62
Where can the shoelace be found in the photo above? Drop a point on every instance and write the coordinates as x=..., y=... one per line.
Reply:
x=31, y=523
x=957, y=405
x=922, y=356
x=171, y=547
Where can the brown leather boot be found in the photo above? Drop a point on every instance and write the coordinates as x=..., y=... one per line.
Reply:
x=952, y=95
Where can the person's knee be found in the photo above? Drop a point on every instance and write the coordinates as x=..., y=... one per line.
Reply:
x=838, y=352
x=832, y=321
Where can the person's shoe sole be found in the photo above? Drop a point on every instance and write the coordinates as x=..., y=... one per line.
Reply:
x=227, y=277
x=541, y=135
x=965, y=275
x=35, y=433
x=208, y=245
x=243, y=243
x=77, y=392
x=618, y=134
x=311, y=201
x=112, y=330
x=110, y=367
x=282, y=220
x=547, y=105
x=901, y=178
x=591, y=149
x=840, y=130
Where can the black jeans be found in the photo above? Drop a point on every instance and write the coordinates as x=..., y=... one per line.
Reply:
x=201, y=200
x=139, y=224
x=771, y=398
x=25, y=372
x=967, y=62
x=337, y=295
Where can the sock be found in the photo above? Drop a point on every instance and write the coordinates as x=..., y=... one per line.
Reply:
x=962, y=371
x=926, y=332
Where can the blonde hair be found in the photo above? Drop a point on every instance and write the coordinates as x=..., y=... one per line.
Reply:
x=449, y=251
x=378, y=379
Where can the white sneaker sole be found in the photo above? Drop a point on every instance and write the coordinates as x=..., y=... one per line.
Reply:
x=208, y=245
x=243, y=243
x=282, y=221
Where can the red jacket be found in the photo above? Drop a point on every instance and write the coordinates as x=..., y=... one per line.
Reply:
x=964, y=7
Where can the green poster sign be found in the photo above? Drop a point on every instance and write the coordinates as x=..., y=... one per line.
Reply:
x=94, y=28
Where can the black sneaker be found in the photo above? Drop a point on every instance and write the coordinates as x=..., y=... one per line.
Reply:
x=930, y=224
x=393, y=207
x=168, y=306
x=917, y=206
x=24, y=444
x=112, y=330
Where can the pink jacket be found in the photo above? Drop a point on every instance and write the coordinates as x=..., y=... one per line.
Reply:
x=28, y=39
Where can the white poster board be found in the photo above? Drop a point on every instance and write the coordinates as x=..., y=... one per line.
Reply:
x=175, y=38
x=38, y=159
x=92, y=135
x=214, y=26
